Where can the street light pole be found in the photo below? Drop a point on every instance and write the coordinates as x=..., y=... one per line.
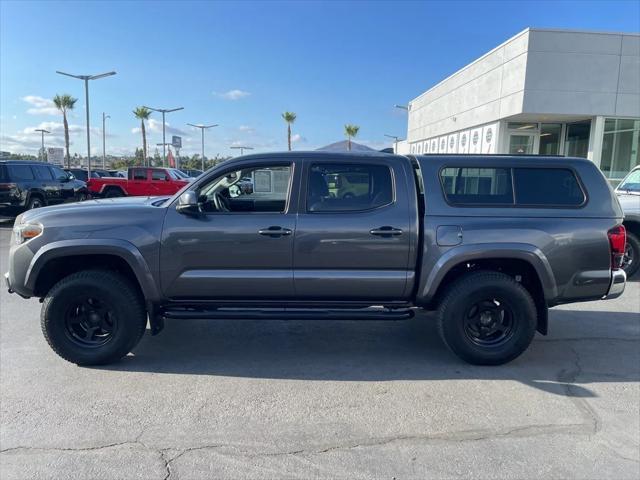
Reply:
x=104, y=155
x=242, y=149
x=86, y=79
x=402, y=107
x=395, y=138
x=164, y=140
x=202, y=129
x=42, y=131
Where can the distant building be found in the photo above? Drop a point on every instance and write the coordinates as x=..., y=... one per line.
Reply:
x=551, y=92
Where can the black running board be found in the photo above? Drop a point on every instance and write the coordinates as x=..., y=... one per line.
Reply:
x=287, y=314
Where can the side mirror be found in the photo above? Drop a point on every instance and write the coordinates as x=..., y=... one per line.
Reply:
x=188, y=203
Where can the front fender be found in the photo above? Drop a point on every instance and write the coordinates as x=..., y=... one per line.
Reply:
x=120, y=248
x=468, y=253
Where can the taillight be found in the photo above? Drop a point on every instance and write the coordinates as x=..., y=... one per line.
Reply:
x=617, y=241
x=8, y=186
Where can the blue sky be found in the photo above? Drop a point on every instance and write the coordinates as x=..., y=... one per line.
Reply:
x=241, y=64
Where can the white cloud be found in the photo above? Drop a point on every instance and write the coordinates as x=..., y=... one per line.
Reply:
x=297, y=138
x=40, y=105
x=155, y=126
x=57, y=128
x=246, y=128
x=234, y=94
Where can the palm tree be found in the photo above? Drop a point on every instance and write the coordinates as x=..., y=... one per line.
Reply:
x=64, y=103
x=143, y=113
x=289, y=117
x=351, y=131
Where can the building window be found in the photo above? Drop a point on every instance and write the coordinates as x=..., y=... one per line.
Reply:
x=522, y=126
x=620, y=147
x=577, y=140
x=521, y=144
x=550, y=136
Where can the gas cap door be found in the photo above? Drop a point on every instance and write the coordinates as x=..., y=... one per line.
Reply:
x=448, y=235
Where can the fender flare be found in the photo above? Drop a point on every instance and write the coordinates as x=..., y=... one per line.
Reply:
x=120, y=248
x=481, y=251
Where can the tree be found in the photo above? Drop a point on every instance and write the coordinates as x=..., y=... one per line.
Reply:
x=64, y=103
x=289, y=117
x=142, y=114
x=351, y=131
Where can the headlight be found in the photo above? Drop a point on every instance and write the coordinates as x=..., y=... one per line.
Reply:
x=26, y=231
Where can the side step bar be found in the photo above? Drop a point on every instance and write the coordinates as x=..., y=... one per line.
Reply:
x=287, y=314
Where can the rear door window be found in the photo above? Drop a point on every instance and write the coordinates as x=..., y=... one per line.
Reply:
x=547, y=187
x=348, y=187
x=477, y=186
x=43, y=172
x=20, y=172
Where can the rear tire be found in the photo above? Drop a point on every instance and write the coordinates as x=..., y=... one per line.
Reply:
x=487, y=318
x=632, y=255
x=93, y=317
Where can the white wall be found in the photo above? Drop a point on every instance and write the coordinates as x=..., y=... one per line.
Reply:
x=582, y=73
x=543, y=72
x=484, y=91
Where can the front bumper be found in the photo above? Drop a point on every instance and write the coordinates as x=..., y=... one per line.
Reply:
x=618, y=282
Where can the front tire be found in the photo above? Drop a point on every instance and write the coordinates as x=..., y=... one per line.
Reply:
x=93, y=317
x=487, y=318
x=114, y=193
x=35, y=202
x=631, y=255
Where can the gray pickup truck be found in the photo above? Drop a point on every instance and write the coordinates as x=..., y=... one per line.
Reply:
x=489, y=242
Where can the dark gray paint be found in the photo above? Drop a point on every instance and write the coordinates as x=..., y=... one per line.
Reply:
x=333, y=257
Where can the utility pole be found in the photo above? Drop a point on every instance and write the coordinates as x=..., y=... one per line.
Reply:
x=242, y=149
x=202, y=129
x=86, y=79
x=164, y=140
x=104, y=154
x=42, y=131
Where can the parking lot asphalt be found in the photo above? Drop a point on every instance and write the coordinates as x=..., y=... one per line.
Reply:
x=270, y=399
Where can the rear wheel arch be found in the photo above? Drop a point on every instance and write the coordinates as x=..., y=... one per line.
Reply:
x=522, y=271
x=113, y=189
x=37, y=194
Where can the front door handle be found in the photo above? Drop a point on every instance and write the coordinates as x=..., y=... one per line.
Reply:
x=386, y=231
x=275, y=231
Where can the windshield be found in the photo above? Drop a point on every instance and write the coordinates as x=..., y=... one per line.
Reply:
x=178, y=173
x=631, y=183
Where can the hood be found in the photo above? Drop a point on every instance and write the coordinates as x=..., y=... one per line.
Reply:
x=630, y=203
x=91, y=207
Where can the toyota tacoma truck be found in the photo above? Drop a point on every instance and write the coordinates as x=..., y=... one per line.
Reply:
x=140, y=181
x=489, y=243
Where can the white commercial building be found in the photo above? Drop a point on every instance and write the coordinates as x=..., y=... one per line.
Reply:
x=551, y=92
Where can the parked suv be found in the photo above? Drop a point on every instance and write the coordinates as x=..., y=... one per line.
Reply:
x=488, y=242
x=26, y=185
x=629, y=195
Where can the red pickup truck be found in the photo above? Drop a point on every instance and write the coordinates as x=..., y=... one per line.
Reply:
x=140, y=181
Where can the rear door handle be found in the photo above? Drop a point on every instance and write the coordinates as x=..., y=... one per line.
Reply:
x=386, y=231
x=275, y=231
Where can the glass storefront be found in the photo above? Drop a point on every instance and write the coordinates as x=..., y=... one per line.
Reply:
x=550, y=139
x=576, y=142
x=620, y=147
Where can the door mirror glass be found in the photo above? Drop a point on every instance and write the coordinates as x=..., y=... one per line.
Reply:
x=188, y=203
